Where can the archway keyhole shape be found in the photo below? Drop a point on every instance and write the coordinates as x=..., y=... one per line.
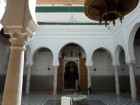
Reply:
x=43, y=60
x=102, y=60
x=123, y=72
x=72, y=50
x=122, y=60
x=133, y=35
x=71, y=75
x=68, y=53
x=137, y=56
x=136, y=45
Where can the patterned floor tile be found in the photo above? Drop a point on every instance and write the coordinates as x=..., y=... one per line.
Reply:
x=41, y=99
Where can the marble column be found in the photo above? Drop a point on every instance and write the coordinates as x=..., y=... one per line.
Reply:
x=55, y=81
x=117, y=81
x=89, y=77
x=28, y=79
x=14, y=79
x=132, y=81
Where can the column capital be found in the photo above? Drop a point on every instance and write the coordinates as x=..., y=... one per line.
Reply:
x=89, y=65
x=55, y=67
x=20, y=48
x=130, y=63
x=116, y=65
x=18, y=38
x=29, y=65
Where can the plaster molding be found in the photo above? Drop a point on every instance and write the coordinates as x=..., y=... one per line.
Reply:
x=20, y=48
x=116, y=65
x=29, y=65
x=74, y=27
x=131, y=62
x=32, y=27
x=89, y=65
x=56, y=67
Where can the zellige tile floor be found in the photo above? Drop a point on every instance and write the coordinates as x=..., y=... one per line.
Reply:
x=108, y=99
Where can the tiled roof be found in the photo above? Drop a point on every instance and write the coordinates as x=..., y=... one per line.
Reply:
x=68, y=23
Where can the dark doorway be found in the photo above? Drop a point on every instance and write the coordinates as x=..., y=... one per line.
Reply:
x=71, y=75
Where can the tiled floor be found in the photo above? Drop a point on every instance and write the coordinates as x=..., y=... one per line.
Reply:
x=108, y=99
x=83, y=102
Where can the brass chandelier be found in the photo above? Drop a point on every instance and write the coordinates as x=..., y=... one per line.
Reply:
x=108, y=10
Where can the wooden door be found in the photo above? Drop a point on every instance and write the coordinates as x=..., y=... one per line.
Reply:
x=60, y=75
x=83, y=74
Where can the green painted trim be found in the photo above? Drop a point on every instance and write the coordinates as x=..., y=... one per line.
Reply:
x=59, y=9
x=67, y=23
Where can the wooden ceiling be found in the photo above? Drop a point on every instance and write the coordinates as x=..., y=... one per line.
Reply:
x=64, y=2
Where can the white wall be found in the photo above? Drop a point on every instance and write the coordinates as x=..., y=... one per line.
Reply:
x=102, y=63
x=42, y=60
x=88, y=37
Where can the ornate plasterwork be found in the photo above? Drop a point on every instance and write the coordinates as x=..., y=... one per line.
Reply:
x=18, y=38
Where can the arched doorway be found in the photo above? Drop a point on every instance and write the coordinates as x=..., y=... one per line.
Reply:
x=71, y=76
x=42, y=70
x=72, y=54
x=136, y=45
x=123, y=72
x=102, y=79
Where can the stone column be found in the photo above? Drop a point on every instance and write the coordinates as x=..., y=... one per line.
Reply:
x=13, y=85
x=55, y=81
x=28, y=79
x=132, y=81
x=89, y=77
x=117, y=81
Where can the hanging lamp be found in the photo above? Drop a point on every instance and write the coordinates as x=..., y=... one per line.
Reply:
x=108, y=10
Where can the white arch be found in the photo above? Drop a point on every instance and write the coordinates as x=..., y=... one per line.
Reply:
x=2, y=7
x=38, y=49
x=130, y=42
x=70, y=43
x=85, y=48
x=116, y=61
x=105, y=50
x=2, y=10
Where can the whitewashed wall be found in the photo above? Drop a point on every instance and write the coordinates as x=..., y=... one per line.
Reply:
x=102, y=63
x=42, y=60
x=123, y=34
x=89, y=38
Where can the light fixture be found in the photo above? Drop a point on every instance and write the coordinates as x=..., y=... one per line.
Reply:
x=108, y=10
x=95, y=69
